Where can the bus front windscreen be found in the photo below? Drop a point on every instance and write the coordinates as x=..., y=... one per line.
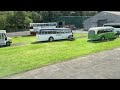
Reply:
x=31, y=27
x=91, y=32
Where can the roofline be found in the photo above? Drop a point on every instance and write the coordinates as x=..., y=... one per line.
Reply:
x=99, y=28
x=99, y=13
x=54, y=28
x=112, y=24
x=75, y=16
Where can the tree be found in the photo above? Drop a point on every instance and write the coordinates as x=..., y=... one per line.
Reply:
x=53, y=15
x=27, y=22
x=9, y=20
x=45, y=16
x=36, y=17
x=2, y=22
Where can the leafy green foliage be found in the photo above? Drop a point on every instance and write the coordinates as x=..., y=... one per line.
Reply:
x=14, y=20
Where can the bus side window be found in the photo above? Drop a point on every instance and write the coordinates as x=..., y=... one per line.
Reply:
x=46, y=32
x=43, y=32
x=100, y=31
x=62, y=31
x=108, y=30
x=112, y=30
x=116, y=26
x=58, y=32
x=0, y=36
x=31, y=27
x=69, y=31
x=39, y=32
x=66, y=31
x=49, y=32
x=54, y=32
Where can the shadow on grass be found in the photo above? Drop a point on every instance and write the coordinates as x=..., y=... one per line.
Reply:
x=38, y=42
x=4, y=46
x=99, y=41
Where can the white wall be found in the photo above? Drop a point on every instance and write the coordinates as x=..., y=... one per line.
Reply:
x=23, y=33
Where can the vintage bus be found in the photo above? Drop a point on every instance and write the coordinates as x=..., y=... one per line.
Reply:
x=34, y=26
x=101, y=33
x=4, y=40
x=51, y=34
x=116, y=27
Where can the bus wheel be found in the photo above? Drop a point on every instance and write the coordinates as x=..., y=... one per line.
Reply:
x=70, y=37
x=117, y=36
x=102, y=38
x=7, y=43
x=51, y=39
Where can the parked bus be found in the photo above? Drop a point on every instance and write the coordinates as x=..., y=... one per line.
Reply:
x=51, y=34
x=35, y=26
x=101, y=33
x=4, y=40
x=115, y=25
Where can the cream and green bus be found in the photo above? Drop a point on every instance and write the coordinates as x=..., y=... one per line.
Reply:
x=101, y=33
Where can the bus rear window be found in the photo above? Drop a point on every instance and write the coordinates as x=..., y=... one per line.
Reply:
x=31, y=27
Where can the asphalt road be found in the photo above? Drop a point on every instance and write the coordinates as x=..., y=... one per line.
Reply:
x=102, y=65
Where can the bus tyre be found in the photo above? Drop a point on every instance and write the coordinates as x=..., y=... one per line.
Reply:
x=7, y=43
x=51, y=39
x=70, y=37
x=102, y=38
x=117, y=36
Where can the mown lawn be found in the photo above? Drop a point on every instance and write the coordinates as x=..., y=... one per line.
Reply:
x=76, y=35
x=28, y=56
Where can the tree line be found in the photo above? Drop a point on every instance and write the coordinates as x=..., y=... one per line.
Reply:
x=19, y=20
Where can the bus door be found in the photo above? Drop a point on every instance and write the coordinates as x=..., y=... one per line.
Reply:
x=2, y=39
x=63, y=34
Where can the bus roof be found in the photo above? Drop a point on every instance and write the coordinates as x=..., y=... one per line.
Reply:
x=100, y=28
x=53, y=28
x=112, y=24
x=2, y=31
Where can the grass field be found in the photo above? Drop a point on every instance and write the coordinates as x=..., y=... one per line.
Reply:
x=28, y=56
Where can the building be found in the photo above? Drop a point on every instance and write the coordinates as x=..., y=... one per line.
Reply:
x=77, y=21
x=102, y=18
